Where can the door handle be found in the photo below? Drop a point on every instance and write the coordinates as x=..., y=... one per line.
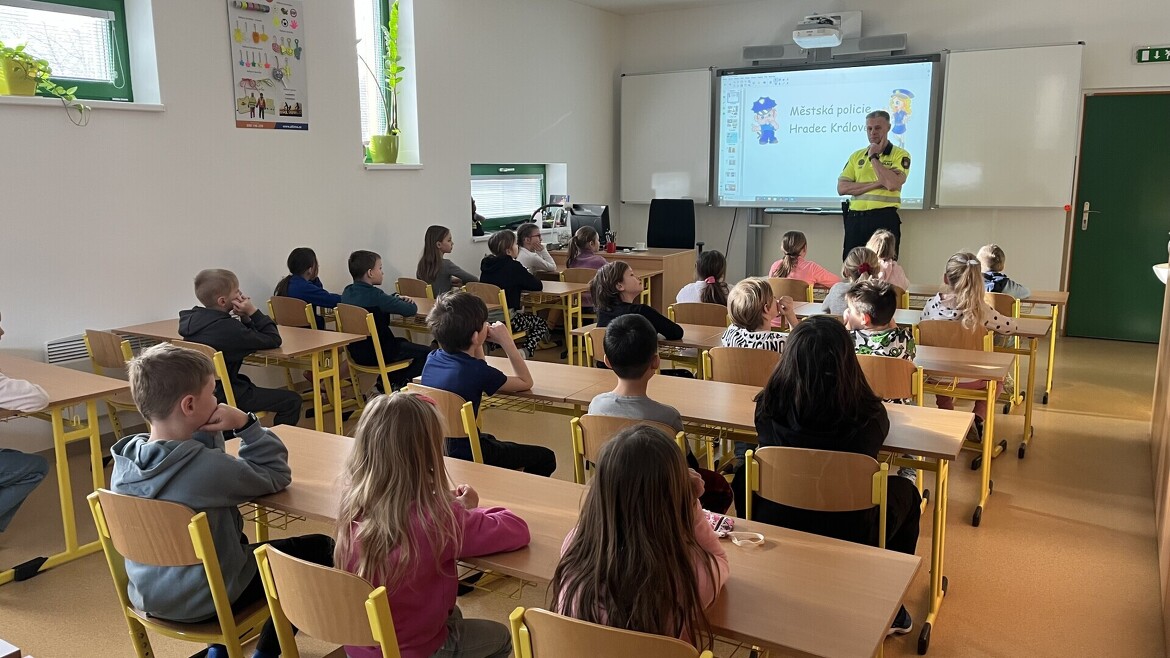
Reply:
x=1085, y=216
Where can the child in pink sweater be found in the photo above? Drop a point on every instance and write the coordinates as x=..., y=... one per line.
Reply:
x=794, y=265
x=643, y=556
x=403, y=525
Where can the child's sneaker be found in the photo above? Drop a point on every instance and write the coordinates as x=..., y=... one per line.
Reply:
x=902, y=623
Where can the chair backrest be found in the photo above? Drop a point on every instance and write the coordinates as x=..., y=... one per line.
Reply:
x=107, y=350
x=671, y=224
x=148, y=531
x=903, y=297
x=891, y=378
x=595, y=346
x=818, y=480
x=352, y=320
x=328, y=604
x=291, y=312
x=951, y=333
x=458, y=416
x=539, y=633
x=408, y=287
x=578, y=274
x=491, y=294
x=708, y=315
x=220, y=364
x=740, y=365
x=1003, y=303
x=799, y=291
x=595, y=431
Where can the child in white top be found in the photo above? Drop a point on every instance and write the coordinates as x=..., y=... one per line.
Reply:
x=20, y=473
x=711, y=288
x=753, y=307
x=533, y=256
x=883, y=243
x=860, y=264
x=870, y=318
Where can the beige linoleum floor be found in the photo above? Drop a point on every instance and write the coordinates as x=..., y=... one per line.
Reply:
x=1063, y=564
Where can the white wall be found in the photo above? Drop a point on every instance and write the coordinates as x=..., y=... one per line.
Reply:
x=107, y=225
x=714, y=36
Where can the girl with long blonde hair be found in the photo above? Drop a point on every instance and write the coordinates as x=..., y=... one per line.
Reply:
x=402, y=525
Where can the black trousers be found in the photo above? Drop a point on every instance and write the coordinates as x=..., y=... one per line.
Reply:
x=902, y=516
x=537, y=460
x=283, y=403
x=394, y=349
x=860, y=225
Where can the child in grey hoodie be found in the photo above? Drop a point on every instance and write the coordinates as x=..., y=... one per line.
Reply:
x=182, y=460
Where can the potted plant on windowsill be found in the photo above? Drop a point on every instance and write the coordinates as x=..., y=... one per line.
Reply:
x=384, y=148
x=21, y=74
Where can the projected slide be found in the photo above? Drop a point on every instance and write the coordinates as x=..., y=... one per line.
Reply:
x=784, y=135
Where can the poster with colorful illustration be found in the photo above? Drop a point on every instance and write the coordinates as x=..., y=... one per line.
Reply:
x=268, y=57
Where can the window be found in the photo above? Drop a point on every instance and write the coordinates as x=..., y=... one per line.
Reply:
x=506, y=194
x=370, y=15
x=84, y=42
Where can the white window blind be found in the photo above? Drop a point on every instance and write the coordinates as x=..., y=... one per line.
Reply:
x=506, y=196
x=368, y=20
x=75, y=41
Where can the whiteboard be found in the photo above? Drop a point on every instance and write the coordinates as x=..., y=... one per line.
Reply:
x=666, y=136
x=1010, y=127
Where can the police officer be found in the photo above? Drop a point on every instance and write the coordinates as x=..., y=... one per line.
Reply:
x=873, y=178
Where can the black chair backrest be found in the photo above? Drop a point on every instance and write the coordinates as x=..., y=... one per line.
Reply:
x=671, y=224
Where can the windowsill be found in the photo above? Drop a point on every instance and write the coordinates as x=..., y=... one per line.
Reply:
x=41, y=101
x=391, y=166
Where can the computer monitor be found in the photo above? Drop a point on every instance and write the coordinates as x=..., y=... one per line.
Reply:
x=590, y=214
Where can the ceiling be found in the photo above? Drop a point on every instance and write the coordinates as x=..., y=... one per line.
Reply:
x=646, y=6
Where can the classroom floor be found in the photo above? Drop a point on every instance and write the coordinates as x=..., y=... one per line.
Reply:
x=1063, y=564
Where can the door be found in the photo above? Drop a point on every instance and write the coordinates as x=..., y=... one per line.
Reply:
x=1121, y=218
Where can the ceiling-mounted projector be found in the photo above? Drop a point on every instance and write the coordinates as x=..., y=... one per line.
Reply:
x=818, y=31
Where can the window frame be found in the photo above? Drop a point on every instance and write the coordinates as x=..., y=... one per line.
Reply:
x=481, y=171
x=92, y=90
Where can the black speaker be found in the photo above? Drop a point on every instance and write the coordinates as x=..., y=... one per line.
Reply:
x=672, y=224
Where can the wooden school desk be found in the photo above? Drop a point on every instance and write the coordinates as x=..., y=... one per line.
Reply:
x=322, y=348
x=677, y=267
x=419, y=321
x=563, y=296
x=648, y=279
x=797, y=593
x=695, y=336
x=66, y=387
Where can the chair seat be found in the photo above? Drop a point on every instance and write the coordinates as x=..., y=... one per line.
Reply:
x=250, y=617
x=124, y=400
x=373, y=370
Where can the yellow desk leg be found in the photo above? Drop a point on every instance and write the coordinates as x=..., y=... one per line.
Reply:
x=938, y=581
x=988, y=443
x=1051, y=356
x=318, y=379
x=1028, y=431
x=261, y=524
x=568, y=322
x=335, y=375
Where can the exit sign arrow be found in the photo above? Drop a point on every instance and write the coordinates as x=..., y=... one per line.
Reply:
x=1152, y=54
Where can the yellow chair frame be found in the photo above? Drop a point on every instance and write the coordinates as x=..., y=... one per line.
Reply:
x=148, y=531
x=708, y=315
x=221, y=371
x=594, y=346
x=370, y=329
x=591, y=432
x=456, y=413
x=538, y=633
x=109, y=352
x=818, y=480
x=1005, y=304
x=324, y=603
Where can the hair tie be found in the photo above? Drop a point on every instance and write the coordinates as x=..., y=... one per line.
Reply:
x=709, y=279
x=863, y=268
x=973, y=262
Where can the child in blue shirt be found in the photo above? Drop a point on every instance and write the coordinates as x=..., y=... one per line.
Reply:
x=303, y=282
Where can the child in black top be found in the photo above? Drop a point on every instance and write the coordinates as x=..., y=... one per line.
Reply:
x=503, y=270
x=614, y=289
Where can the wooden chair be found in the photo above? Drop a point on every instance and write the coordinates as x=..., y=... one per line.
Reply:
x=591, y=432
x=903, y=297
x=109, y=351
x=221, y=371
x=458, y=415
x=950, y=333
x=1009, y=306
x=357, y=320
x=494, y=295
x=595, y=346
x=739, y=365
x=818, y=480
x=291, y=312
x=328, y=604
x=581, y=275
x=708, y=315
x=799, y=291
x=408, y=287
x=539, y=633
x=166, y=534
x=892, y=378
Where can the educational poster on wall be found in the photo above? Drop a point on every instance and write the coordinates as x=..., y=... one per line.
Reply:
x=268, y=64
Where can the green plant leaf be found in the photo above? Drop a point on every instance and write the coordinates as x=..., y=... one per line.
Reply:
x=20, y=48
x=71, y=91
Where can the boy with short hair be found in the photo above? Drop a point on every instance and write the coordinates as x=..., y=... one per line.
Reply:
x=459, y=324
x=20, y=472
x=992, y=258
x=870, y=318
x=250, y=330
x=366, y=269
x=182, y=460
x=631, y=351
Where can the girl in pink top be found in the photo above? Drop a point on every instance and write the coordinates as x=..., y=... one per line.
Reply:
x=643, y=556
x=883, y=244
x=794, y=266
x=402, y=525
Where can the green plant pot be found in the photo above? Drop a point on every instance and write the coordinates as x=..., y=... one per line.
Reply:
x=384, y=148
x=13, y=81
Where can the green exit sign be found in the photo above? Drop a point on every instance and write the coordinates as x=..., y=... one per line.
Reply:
x=1153, y=54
